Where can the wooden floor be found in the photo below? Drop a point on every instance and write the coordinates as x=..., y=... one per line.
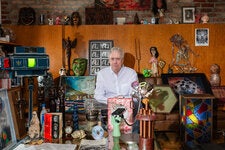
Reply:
x=172, y=141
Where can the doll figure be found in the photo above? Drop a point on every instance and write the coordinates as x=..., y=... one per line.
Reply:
x=153, y=61
x=57, y=21
x=205, y=18
x=34, y=128
x=75, y=19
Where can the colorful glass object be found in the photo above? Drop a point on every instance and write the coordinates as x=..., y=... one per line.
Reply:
x=196, y=118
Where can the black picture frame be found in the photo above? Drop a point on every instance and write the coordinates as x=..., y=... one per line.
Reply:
x=98, y=55
x=187, y=83
x=188, y=14
x=201, y=37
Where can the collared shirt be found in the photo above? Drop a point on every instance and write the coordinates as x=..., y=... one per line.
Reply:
x=109, y=84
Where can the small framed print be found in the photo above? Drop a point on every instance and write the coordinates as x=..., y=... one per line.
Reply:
x=188, y=14
x=202, y=37
x=98, y=55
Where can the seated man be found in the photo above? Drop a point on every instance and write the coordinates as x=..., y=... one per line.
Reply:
x=116, y=79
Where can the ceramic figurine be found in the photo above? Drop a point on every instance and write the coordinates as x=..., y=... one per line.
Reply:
x=50, y=21
x=66, y=20
x=34, y=128
x=57, y=21
x=75, y=19
x=78, y=134
x=215, y=75
x=153, y=61
x=205, y=18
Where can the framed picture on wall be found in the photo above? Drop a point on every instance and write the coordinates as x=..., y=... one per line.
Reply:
x=188, y=14
x=202, y=37
x=98, y=55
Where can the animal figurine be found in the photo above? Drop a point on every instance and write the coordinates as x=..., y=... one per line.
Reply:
x=78, y=134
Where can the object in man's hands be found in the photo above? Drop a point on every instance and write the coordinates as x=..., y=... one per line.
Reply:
x=124, y=103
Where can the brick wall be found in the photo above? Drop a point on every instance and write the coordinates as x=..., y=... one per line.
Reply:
x=10, y=9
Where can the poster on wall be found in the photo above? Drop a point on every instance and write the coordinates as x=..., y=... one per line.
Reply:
x=202, y=37
x=128, y=4
x=98, y=55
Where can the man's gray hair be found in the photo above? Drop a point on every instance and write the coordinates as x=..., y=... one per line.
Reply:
x=117, y=49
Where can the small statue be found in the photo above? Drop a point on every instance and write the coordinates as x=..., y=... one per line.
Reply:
x=75, y=19
x=66, y=20
x=50, y=21
x=68, y=45
x=215, y=75
x=153, y=61
x=57, y=21
x=34, y=128
x=205, y=18
x=78, y=134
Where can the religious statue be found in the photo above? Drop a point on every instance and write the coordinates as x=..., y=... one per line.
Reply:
x=34, y=128
x=68, y=45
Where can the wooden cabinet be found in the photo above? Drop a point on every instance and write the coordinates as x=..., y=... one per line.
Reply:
x=126, y=37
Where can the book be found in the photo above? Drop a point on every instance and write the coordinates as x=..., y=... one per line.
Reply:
x=93, y=144
x=53, y=124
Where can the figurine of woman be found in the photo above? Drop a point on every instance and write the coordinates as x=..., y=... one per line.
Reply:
x=153, y=61
x=34, y=128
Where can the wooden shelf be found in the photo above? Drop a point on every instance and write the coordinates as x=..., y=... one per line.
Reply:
x=8, y=43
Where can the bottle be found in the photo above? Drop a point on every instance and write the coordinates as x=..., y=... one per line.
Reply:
x=42, y=114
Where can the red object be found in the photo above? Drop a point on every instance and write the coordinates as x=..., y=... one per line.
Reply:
x=48, y=126
x=6, y=63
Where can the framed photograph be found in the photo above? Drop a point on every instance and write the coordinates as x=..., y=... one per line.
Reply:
x=202, y=37
x=98, y=55
x=188, y=14
x=162, y=99
x=7, y=132
x=18, y=107
x=187, y=83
